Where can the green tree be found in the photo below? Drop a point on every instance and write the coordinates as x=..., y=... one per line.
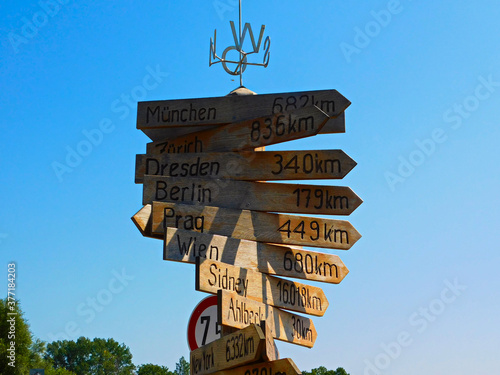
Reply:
x=85, y=357
x=150, y=369
x=18, y=351
x=321, y=370
x=182, y=367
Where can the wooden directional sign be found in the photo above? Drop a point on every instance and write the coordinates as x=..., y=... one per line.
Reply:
x=143, y=220
x=256, y=196
x=245, y=346
x=239, y=312
x=249, y=134
x=154, y=116
x=248, y=165
x=212, y=276
x=332, y=125
x=184, y=246
x=278, y=367
x=255, y=226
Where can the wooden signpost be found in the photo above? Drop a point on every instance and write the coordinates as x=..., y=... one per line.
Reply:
x=207, y=195
x=255, y=226
x=177, y=116
x=245, y=346
x=185, y=246
x=239, y=312
x=212, y=276
x=248, y=165
x=255, y=196
x=279, y=367
x=250, y=134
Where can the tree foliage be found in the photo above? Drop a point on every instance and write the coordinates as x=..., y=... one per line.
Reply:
x=19, y=352
x=182, y=367
x=321, y=370
x=150, y=369
x=96, y=357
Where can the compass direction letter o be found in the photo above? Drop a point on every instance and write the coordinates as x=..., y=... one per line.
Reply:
x=241, y=65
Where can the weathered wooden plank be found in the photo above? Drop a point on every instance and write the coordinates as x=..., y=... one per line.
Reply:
x=239, y=312
x=243, y=347
x=255, y=226
x=257, y=196
x=248, y=134
x=332, y=126
x=228, y=109
x=248, y=165
x=184, y=246
x=212, y=276
x=272, y=352
x=279, y=367
x=143, y=221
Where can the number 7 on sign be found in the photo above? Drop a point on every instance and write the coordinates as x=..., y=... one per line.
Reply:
x=206, y=318
x=203, y=327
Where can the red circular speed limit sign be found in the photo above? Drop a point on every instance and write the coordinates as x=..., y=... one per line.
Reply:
x=203, y=326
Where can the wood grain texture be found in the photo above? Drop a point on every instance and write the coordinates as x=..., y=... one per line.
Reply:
x=239, y=312
x=248, y=134
x=143, y=221
x=248, y=165
x=332, y=126
x=255, y=226
x=184, y=246
x=255, y=196
x=212, y=276
x=279, y=367
x=245, y=346
x=272, y=352
x=228, y=109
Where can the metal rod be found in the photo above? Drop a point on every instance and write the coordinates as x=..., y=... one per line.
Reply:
x=241, y=55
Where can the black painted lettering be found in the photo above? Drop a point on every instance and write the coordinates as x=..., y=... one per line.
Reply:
x=342, y=234
x=173, y=193
x=185, y=169
x=334, y=165
x=206, y=196
x=212, y=250
x=183, y=192
x=306, y=123
x=183, y=246
x=174, y=115
x=212, y=113
x=198, y=145
x=327, y=106
x=192, y=112
x=201, y=113
x=184, y=118
x=203, y=167
x=173, y=167
x=161, y=190
x=152, y=166
x=214, y=168
x=343, y=202
x=155, y=114
x=213, y=274
x=202, y=251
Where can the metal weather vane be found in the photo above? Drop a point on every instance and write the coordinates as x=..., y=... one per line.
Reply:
x=239, y=39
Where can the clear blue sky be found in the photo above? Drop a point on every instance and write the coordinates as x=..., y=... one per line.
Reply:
x=424, y=82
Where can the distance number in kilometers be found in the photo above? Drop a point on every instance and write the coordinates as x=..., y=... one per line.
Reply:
x=282, y=125
x=315, y=231
x=241, y=346
x=292, y=102
x=264, y=371
x=320, y=198
x=307, y=165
